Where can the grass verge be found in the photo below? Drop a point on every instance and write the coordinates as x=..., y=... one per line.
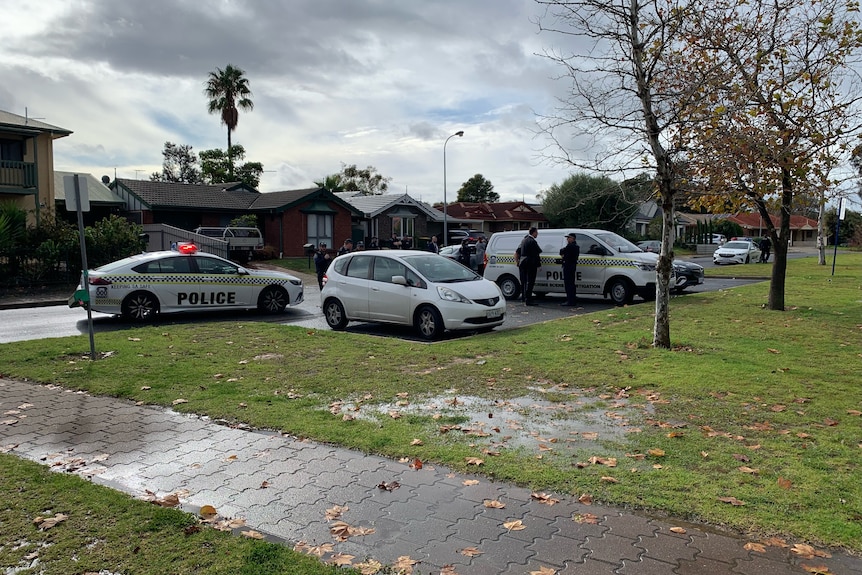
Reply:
x=105, y=531
x=750, y=406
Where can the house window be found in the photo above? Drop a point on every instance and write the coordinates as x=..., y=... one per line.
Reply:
x=320, y=229
x=402, y=227
x=12, y=150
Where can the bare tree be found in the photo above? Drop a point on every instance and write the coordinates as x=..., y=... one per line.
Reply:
x=624, y=103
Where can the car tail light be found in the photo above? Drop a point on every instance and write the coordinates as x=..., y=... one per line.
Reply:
x=99, y=282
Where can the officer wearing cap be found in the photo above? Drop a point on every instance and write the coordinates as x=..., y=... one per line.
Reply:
x=346, y=248
x=570, y=254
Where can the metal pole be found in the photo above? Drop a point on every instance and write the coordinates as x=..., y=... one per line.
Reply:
x=459, y=133
x=84, y=279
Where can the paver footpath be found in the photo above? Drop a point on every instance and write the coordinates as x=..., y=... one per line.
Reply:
x=283, y=487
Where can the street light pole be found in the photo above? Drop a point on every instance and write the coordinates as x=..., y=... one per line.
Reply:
x=459, y=133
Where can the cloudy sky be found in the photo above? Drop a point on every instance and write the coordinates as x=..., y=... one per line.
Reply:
x=366, y=82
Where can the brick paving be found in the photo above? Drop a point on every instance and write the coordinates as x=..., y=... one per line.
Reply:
x=433, y=517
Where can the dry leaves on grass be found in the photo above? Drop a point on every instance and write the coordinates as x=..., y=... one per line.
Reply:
x=474, y=461
x=586, y=499
x=732, y=500
x=44, y=523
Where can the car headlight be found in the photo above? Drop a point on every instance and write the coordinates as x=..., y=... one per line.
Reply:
x=646, y=267
x=451, y=295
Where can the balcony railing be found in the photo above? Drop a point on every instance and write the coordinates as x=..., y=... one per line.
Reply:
x=18, y=174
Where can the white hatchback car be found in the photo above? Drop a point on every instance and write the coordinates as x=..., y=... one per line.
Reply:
x=736, y=252
x=143, y=285
x=410, y=287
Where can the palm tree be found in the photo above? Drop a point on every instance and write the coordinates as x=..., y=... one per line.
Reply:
x=228, y=92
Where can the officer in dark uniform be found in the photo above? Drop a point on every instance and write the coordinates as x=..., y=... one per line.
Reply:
x=570, y=254
x=530, y=262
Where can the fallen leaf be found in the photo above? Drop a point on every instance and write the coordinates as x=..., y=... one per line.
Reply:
x=854, y=412
x=679, y=530
x=494, y=504
x=776, y=542
x=750, y=470
x=474, y=461
x=470, y=552
x=321, y=550
x=49, y=522
x=586, y=499
x=656, y=452
x=369, y=567
x=586, y=518
x=544, y=498
x=341, y=560
x=469, y=482
x=732, y=500
x=264, y=484
x=416, y=442
x=146, y=388
x=391, y=486
x=759, y=547
x=336, y=511
x=741, y=457
x=514, y=525
x=609, y=479
x=778, y=408
x=544, y=571
x=807, y=551
x=404, y=564
x=448, y=570
x=416, y=464
x=817, y=569
x=784, y=483
x=771, y=350
x=252, y=534
x=179, y=401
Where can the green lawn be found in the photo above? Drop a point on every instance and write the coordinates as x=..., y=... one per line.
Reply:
x=751, y=404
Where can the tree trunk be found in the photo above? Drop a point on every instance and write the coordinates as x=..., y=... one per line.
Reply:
x=661, y=328
x=779, y=268
x=229, y=157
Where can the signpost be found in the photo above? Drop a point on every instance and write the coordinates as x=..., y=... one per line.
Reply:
x=78, y=199
x=842, y=211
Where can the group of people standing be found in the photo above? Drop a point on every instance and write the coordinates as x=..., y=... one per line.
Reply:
x=528, y=258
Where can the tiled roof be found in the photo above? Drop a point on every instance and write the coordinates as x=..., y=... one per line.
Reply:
x=374, y=205
x=10, y=120
x=98, y=193
x=273, y=200
x=172, y=194
x=496, y=211
x=752, y=220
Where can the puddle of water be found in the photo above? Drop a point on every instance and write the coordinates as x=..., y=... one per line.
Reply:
x=578, y=422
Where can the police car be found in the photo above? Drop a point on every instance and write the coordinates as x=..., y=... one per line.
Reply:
x=185, y=279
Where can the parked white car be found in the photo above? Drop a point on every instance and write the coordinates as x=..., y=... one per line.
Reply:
x=736, y=252
x=409, y=287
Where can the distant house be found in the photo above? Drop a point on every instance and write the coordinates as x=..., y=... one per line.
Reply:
x=288, y=219
x=803, y=230
x=383, y=216
x=27, y=163
x=103, y=200
x=493, y=217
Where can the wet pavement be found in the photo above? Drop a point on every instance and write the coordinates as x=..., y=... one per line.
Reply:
x=335, y=502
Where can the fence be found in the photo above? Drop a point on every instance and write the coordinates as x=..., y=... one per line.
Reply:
x=162, y=236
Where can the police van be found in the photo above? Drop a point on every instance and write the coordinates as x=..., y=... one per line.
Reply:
x=609, y=265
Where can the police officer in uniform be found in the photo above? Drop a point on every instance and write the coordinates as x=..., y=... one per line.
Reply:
x=530, y=262
x=570, y=254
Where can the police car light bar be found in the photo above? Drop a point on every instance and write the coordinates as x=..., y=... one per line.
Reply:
x=187, y=248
